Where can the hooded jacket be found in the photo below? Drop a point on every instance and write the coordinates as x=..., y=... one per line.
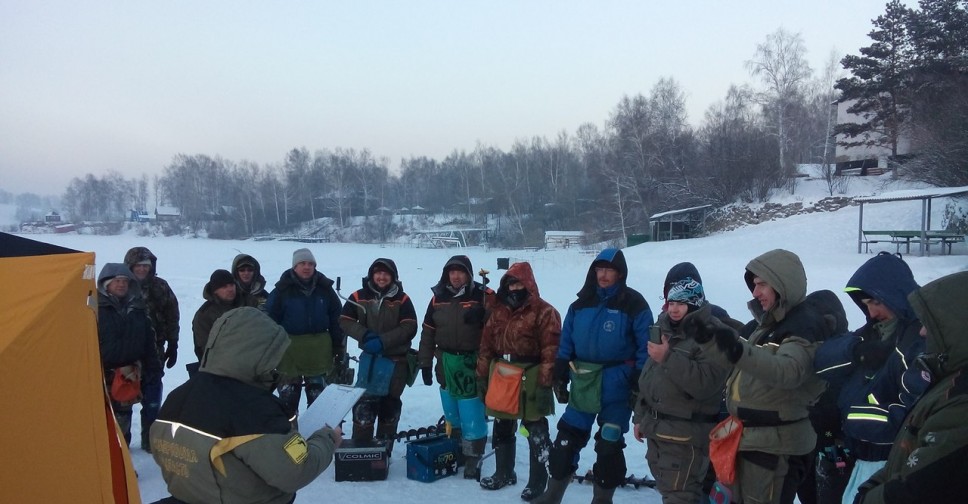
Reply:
x=872, y=403
x=679, y=399
x=160, y=300
x=529, y=333
x=607, y=325
x=929, y=459
x=124, y=332
x=205, y=317
x=253, y=294
x=446, y=326
x=390, y=313
x=773, y=384
x=222, y=436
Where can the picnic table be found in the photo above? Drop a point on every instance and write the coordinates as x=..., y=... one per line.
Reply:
x=905, y=237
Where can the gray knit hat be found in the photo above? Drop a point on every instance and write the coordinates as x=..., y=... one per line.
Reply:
x=302, y=255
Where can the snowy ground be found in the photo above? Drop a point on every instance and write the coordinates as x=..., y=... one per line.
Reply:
x=826, y=242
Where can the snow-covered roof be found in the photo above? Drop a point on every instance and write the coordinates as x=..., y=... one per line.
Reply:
x=577, y=234
x=913, y=194
x=680, y=211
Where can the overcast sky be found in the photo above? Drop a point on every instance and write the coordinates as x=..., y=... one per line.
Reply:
x=92, y=86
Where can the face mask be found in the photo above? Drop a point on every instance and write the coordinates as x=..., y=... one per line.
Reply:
x=517, y=298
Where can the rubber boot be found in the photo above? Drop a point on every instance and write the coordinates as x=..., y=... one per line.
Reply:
x=473, y=450
x=387, y=432
x=602, y=496
x=537, y=475
x=504, y=475
x=555, y=492
x=362, y=431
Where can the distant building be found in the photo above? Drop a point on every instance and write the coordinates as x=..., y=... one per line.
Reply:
x=52, y=217
x=679, y=224
x=864, y=160
x=167, y=214
x=563, y=239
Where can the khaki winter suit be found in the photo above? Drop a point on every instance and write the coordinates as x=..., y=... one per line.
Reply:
x=678, y=403
x=773, y=384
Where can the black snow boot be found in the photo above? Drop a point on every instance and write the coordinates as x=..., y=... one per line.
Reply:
x=555, y=492
x=504, y=471
x=473, y=451
x=537, y=476
x=601, y=495
x=539, y=447
x=145, y=441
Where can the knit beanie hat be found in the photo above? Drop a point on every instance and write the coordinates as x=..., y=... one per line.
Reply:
x=220, y=278
x=687, y=291
x=302, y=255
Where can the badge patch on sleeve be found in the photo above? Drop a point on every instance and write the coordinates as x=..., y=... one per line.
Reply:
x=296, y=449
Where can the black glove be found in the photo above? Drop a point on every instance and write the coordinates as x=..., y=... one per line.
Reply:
x=171, y=355
x=697, y=330
x=561, y=392
x=872, y=353
x=475, y=315
x=482, y=388
x=428, y=377
x=561, y=372
x=729, y=344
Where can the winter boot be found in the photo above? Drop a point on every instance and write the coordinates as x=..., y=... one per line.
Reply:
x=537, y=475
x=539, y=447
x=555, y=492
x=386, y=432
x=362, y=431
x=601, y=495
x=504, y=471
x=145, y=442
x=473, y=450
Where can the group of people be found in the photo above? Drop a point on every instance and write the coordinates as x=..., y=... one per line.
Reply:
x=796, y=405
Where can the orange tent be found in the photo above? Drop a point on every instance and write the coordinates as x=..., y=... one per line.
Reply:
x=59, y=440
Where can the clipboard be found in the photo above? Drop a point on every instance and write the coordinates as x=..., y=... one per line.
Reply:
x=329, y=408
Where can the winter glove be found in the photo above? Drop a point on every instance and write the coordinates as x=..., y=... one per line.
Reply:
x=872, y=353
x=561, y=392
x=427, y=375
x=729, y=344
x=474, y=315
x=482, y=388
x=372, y=343
x=171, y=355
x=695, y=329
x=562, y=371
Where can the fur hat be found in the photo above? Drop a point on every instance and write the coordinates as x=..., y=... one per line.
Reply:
x=302, y=255
x=687, y=291
x=220, y=278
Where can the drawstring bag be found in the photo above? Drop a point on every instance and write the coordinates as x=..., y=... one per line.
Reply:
x=126, y=384
x=586, y=387
x=504, y=388
x=460, y=374
x=723, y=447
x=375, y=374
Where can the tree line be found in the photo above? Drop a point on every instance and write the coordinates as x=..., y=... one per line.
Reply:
x=643, y=160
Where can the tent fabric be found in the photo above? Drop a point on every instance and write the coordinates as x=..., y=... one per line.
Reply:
x=59, y=437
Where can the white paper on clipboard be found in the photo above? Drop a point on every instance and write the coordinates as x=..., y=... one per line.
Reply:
x=329, y=408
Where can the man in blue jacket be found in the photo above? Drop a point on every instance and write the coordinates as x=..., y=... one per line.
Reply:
x=873, y=367
x=304, y=303
x=602, y=351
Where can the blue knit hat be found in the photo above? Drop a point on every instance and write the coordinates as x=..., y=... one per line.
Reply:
x=687, y=291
